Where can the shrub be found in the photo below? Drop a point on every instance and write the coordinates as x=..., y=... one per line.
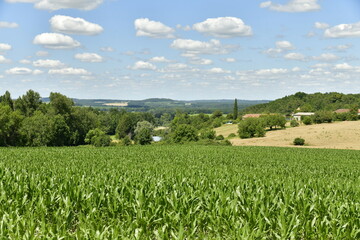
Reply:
x=220, y=137
x=97, y=138
x=232, y=135
x=126, y=141
x=307, y=120
x=299, y=141
x=208, y=134
x=184, y=133
x=251, y=127
x=294, y=123
x=323, y=116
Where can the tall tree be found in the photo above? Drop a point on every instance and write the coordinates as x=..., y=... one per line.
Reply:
x=235, y=113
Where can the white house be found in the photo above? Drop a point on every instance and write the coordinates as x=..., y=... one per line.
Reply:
x=297, y=116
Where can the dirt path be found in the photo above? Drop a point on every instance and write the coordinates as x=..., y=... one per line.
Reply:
x=338, y=135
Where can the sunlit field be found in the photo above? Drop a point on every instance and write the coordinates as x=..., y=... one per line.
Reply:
x=179, y=192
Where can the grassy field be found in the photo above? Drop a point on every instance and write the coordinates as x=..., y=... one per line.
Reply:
x=179, y=192
x=337, y=135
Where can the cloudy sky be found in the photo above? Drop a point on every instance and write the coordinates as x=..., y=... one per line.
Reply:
x=203, y=49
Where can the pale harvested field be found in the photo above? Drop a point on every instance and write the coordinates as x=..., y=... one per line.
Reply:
x=338, y=135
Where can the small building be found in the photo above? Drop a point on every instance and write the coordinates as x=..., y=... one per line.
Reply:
x=297, y=116
x=253, y=115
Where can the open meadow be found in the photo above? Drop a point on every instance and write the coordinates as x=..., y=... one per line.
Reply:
x=336, y=135
x=179, y=192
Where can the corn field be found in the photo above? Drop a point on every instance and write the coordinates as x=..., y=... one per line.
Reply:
x=179, y=192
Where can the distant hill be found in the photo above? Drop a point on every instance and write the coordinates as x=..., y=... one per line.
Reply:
x=306, y=103
x=166, y=104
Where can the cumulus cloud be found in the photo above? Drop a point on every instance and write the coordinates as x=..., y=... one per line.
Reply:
x=326, y=57
x=56, y=41
x=42, y=53
x=8, y=25
x=292, y=6
x=25, y=61
x=89, y=57
x=69, y=71
x=147, y=28
x=343, y=66
x=48, y=63
x=271, y=71
x=223, y=27
x=22, y=71
x=343, y=31
x=200, y=61
x=218, y=70
x=229, y=60
x=70, y=25
x=320, y=25
x=5, y=47
x=62, y=4
x=284, y=45
x=159, y=59
x=142, y=65
x=295, y=56
x=107, y=49
x=3, y=59
x=191, y=48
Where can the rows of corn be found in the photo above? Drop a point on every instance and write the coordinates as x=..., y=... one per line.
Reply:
x=179, y=192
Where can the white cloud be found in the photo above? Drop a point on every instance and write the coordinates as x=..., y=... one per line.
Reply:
x=200, y=61
x=223, y=27
x=62, y=4
x=343, y=31
x=159, y=59
x=271, y=71
x=56, y=41
x=192, y=48
x=48, y=63
x=70, y=25
x=8, y=25
x=218, y=70
x=25, y=61
x=141, y=65
x=177, y=66
x=292, y=6
x=147, y=28
x=5, y=47
x=295, y=56
x=89, y=57
x=22, y=71
x=107, y=49
x=296, y=69
x=320, y=25
x=69, y=71
x=326, y=57
x=3, y=59
x=284, y=45
x=343, y=66
x=229, y=60
x=42, y=53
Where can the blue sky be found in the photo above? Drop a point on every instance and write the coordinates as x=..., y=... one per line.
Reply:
x=120, y=49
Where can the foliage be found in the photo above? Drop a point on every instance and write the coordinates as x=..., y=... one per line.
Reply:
x=294, y=123
x=127, y=193
x=306, y=102
x=323, y=117
x=184, y=133
x=251, y=127
x=97, y=138
x=126, y=141
x=299, y=141
x=220, y=137
x=232, y=135
x=273, y=121
x=235, y=111
x=207, y=134
x=307, y=120
x=217, y=114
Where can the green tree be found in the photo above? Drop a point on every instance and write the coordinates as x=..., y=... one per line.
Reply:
x=6, y=100
x=184, y=133
x=251, y=127
x=126, y=126
x=97, y=138
x=143, y=132
x=28, y=103
x=61, y=104
x=10, y=123
x=235, y=111
x=37, y=130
